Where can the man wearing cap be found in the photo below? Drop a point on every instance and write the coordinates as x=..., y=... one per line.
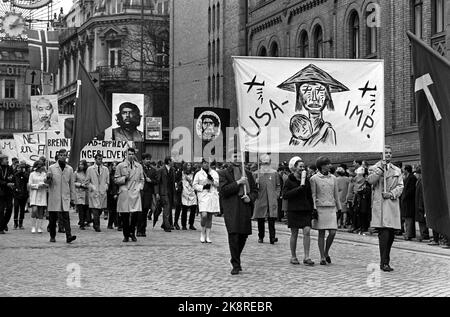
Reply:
x=313, y=87
x=128, y=119
x=266, y=205
x=6, y=192
x=97, y=178
x=238, y=191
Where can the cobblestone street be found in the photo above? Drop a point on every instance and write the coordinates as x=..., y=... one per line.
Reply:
x=177, y=264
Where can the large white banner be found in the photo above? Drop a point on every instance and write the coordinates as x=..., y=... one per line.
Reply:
x=293, y=105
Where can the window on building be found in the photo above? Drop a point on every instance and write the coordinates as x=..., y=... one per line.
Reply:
x=166, y=7
x=354, y=35
x=10, y=88
x=218, y=16
x=160, y=8
x=417, y=18
x=304, y=44
x=218, y=52
x=115, y=57
x=213, y=53
x=10, y=121
x=209, y=89
x=371, y=38
x=262, y=51
x=209, y=53
x=35, y=90
x=218, y=88
x=214, y=18
x=438, y=16
x=318, y=42
x=67, y=62
x=213, y=89
x=274, y=50
x=209, y=19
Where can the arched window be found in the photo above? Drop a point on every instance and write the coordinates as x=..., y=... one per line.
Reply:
x=213, y=52
x=318, y=42
x=213, y=89
x=214, y=18
x=304, y=44
x=274, y=49
x=218, y=88
x=218, y=16
x=218, y=52
x=371, y=37
x=209, y=19
x=354, y=35
x=209, y=53
x=262, y=51
x=209, y=89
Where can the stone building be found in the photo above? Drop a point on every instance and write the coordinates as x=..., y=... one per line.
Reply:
x=303, y=28
x=106, y=37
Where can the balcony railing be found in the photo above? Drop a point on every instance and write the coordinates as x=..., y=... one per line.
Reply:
x=113, y=73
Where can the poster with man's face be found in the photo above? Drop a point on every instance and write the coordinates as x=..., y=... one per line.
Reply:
x=128, y=114
x=44, y=113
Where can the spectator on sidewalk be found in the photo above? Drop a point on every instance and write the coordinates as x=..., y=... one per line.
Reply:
x=266, y=205
x=385, y=204
x=239, y=192
x=420, y=207
x=407, y=203
x=326, y=204
x=6, y=192
x=38, y=196
x=297, y=191
x=343, y=183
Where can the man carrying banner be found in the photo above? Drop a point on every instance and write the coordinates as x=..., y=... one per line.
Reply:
x=97, y=177
x=61, y=195
x=239, y=192
x=386, y=204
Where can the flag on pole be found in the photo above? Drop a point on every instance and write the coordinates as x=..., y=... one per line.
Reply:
x=43, y=50
x=432, y=75
x=92, y=116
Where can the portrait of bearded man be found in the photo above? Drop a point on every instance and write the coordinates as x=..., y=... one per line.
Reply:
x=128, y=119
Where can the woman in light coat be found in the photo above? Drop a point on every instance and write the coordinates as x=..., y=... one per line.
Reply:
x=38, y=196
x=326, y=201
x=206, y=182
x=188, y=197
x=81, y=194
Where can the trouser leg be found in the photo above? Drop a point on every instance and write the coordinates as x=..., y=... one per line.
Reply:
x=96, y=218
x=192, y=212
x=125, y=216
x=261, y=228
x=133, y=222
x=65, y=220
x=52, y=219
x=271, y=222
x=233, y=242
x=184, y=210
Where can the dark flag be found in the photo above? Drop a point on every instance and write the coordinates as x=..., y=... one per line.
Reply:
x=432, y=76
x=210, y=127
x=92, y=116
x=43, y=50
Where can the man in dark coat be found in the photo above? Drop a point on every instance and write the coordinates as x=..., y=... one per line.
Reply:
x=20, y=194
x=237, y=208
x=165, y=191
x=151, y=180
x=6, y=192
x=408, y=202
x=178, y=175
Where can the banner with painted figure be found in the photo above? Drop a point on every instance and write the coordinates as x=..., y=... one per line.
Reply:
x=128, y=123
x=44, y=113
x=291, y=105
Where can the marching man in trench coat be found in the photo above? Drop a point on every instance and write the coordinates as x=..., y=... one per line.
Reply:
x=61, y=195
x=130, y=178
x=97, y=177
x=266, y=206
x=385, y=204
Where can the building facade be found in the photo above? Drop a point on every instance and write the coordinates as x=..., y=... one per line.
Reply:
x=106, y=37
x=15, y=112
x=205, y=34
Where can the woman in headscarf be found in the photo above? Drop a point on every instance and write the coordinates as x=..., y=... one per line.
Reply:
x=297, y=191
x=326, y=204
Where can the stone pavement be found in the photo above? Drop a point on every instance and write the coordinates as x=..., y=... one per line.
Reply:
x=177, y=264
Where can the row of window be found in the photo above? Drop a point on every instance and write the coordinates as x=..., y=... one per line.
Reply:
x=213, y=17
x=437, y=17
x=213, y=88
x=15, y=120
x=118, y=6
x=214, y=53
x=10, y=91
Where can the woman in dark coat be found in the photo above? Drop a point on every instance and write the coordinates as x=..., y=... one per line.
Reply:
x=408, y=209
x=237, y=208
x=297, y=191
